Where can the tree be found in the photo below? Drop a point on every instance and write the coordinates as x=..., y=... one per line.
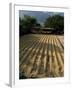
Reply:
x=26, y=24
x=56, y=22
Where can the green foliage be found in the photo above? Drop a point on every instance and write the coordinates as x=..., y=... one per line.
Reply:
x=26, y=23
x=56, y=22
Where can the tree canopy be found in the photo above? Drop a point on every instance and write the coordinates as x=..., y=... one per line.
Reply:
x=26, y=23
x=56, y=22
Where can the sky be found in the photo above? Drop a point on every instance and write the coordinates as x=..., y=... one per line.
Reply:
x=39, y=15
